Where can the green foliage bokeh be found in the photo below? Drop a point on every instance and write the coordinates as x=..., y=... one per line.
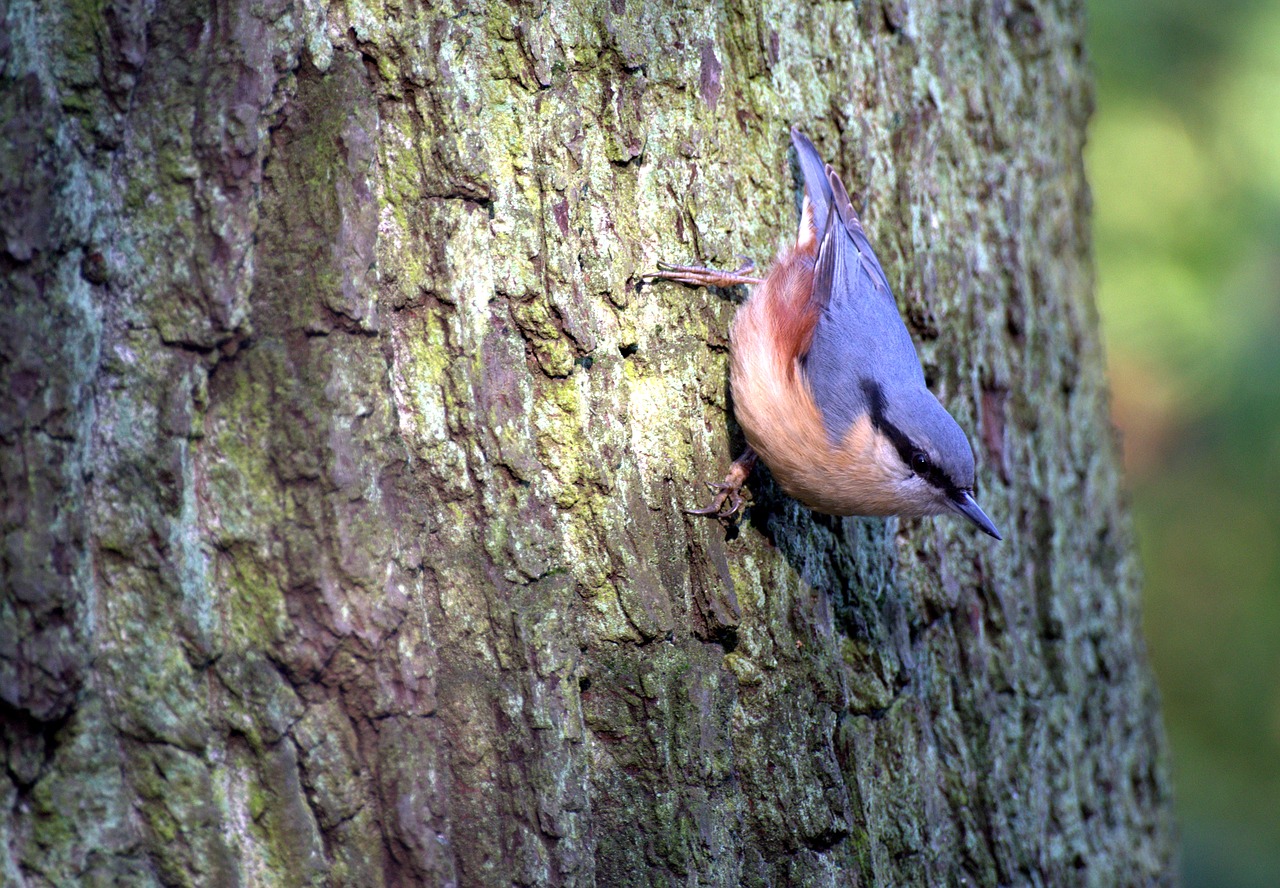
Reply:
x=1184, y=162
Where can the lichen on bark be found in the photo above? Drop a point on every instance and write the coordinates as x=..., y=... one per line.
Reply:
x=346, y=453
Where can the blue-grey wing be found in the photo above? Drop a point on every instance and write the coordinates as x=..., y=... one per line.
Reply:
x=859, y=340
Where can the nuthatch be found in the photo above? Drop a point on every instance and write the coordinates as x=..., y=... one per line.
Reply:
x=826, y=382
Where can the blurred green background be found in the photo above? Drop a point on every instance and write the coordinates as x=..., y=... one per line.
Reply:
x=1184, y=161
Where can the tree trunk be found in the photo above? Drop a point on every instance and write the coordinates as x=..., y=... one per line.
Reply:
x=345, y=454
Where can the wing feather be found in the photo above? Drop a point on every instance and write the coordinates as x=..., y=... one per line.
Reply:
x=853, y=225
x=859, y=340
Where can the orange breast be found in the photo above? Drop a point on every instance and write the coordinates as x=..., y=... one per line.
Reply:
x=773, y=404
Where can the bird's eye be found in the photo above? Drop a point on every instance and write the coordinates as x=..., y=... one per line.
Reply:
x=919, y=463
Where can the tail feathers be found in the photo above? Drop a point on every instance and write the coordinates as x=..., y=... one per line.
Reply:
x=815, y=180
x=831, y=211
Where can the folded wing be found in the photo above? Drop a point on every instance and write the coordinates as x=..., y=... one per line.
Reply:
x=860, y=342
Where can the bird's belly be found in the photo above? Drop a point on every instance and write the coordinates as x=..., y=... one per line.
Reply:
x=857, y=475
x=850, y=479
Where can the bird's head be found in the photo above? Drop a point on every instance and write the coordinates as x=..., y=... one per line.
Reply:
x=929, y=461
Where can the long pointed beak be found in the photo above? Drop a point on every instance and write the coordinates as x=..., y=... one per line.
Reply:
x=969, y=508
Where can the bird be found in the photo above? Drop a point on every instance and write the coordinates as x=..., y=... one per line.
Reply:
x=825, y=380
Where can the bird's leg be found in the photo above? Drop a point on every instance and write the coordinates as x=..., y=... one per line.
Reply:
x=728, y=498
x=728, y=494
x=698, y=276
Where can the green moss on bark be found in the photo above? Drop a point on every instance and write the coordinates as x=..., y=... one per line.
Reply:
x=375, y=446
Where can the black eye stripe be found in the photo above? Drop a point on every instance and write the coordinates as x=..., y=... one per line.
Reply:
x=907, y=451
x=936, y=477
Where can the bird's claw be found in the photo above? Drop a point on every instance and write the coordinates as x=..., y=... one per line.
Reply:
x=728, y=500
x=727, y=495
x=700, y=276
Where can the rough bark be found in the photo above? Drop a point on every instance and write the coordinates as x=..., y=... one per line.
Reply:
x=344, y=456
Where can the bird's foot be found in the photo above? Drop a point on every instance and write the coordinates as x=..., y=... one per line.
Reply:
x=724, y=505
x=728, y=499
x=699, y=276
